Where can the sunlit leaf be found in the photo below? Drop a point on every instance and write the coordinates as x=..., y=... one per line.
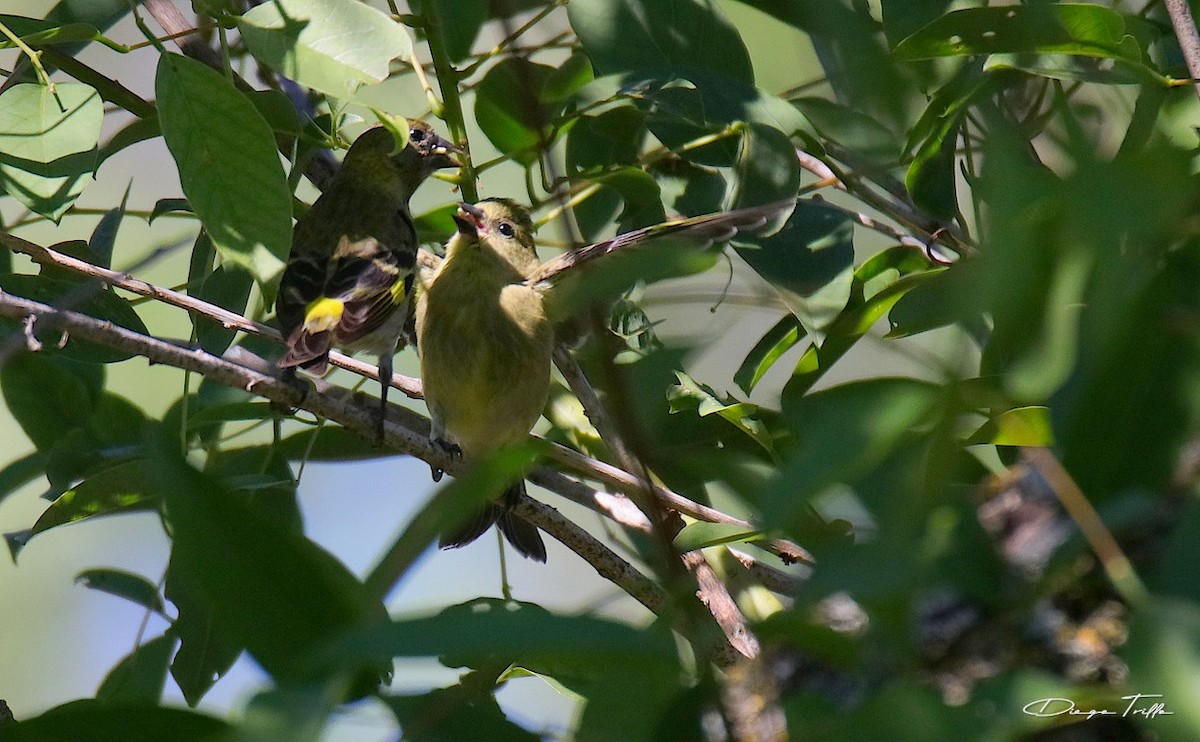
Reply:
x=48, y=144
x=228, y=164
x=334, y=46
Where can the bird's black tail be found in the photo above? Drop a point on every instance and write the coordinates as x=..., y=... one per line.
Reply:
x=523, y=535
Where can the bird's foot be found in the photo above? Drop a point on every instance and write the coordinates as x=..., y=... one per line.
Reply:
x=450, y=449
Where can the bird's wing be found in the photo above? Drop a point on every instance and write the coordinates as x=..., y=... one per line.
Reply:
x=703, y=230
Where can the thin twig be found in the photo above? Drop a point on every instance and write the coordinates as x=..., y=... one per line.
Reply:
x=1113, y=560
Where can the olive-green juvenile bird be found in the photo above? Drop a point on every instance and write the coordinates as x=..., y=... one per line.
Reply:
x=485, y=345
x=349, y=278
x=486, y=341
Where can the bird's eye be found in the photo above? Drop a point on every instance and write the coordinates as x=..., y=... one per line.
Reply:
x=417, y=135
x=506, y=229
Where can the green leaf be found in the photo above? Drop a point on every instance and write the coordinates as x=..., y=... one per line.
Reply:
x=509, y=111
x=48, y=144
x=899, y=269
x=139, y=130
x=1021, y=426
x=461, y=21
x=464, y=711
x=36, y=32
x=134, y=588
x=46, y=400
x=334, y=46
x=269, y=588
x=104, y=236
x=1163, y=654
x=1046, y=28
x=810, y=262
x=843, y=431
x=766, y=169
x=228, y=164
x=121, y=488
x=690, y=395
x=782, y=337
x=126, y=722
x=21, y=472
x=88, y=298
x=658, y=35
x=206, y=652
x=141, y=676
x=228, y=287
x=487, y=630
x=566, y=79
x=701, y=535
x=858, y=132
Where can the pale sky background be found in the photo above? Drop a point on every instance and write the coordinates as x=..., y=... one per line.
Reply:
x=59, y=639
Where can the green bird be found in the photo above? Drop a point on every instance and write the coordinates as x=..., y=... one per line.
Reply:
x=485, y=344
x=349, y=278
x=485, y=336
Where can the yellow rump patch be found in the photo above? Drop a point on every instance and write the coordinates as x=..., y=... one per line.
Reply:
x=323, y=314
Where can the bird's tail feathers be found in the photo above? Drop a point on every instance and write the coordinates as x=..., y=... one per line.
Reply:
x=308, y=345
x=523, y=536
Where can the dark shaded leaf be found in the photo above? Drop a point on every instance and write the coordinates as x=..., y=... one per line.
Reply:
x=509, y=110
x=658, y=35
x=134, y=588
x=125, y=722
x=140, y=677
x=87, y=298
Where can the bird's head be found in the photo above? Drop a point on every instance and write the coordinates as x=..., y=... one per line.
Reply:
x=376, y=151
x=502, y=225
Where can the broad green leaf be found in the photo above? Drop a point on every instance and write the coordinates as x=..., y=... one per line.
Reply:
x=567, y=79
x=206, y=651
x=228, y=164
x=136, y=131
x=487, y=629
x=461, y=20
x=87, y=298
x=1021, y=426
x=141, y=676
x=810, y=262
x=700, y=535
x=48, y=144
x=851, y=128
x=126, y=722
x=782, y=337
x=900, y=270
x=121, y=488
x=658, y=35
x=228, y=287
x=46, y=400
x=842, y=432
x=36, y=32
x=1163, y=655
x=1046, y=28
x=690, y=395
x=131, y=587
x=766, y=170
x=609, y=142
x=460, y=712
x=20, y=472
x=509, y=111
x=334, y=46
x=269, y=588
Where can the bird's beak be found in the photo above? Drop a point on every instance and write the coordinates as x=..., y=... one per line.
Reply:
x=469, y=219
x=445, y=152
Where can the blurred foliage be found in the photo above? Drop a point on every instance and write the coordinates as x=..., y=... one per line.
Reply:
x=1003, y=196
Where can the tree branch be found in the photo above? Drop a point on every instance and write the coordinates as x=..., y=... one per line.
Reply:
x=1189, y=39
